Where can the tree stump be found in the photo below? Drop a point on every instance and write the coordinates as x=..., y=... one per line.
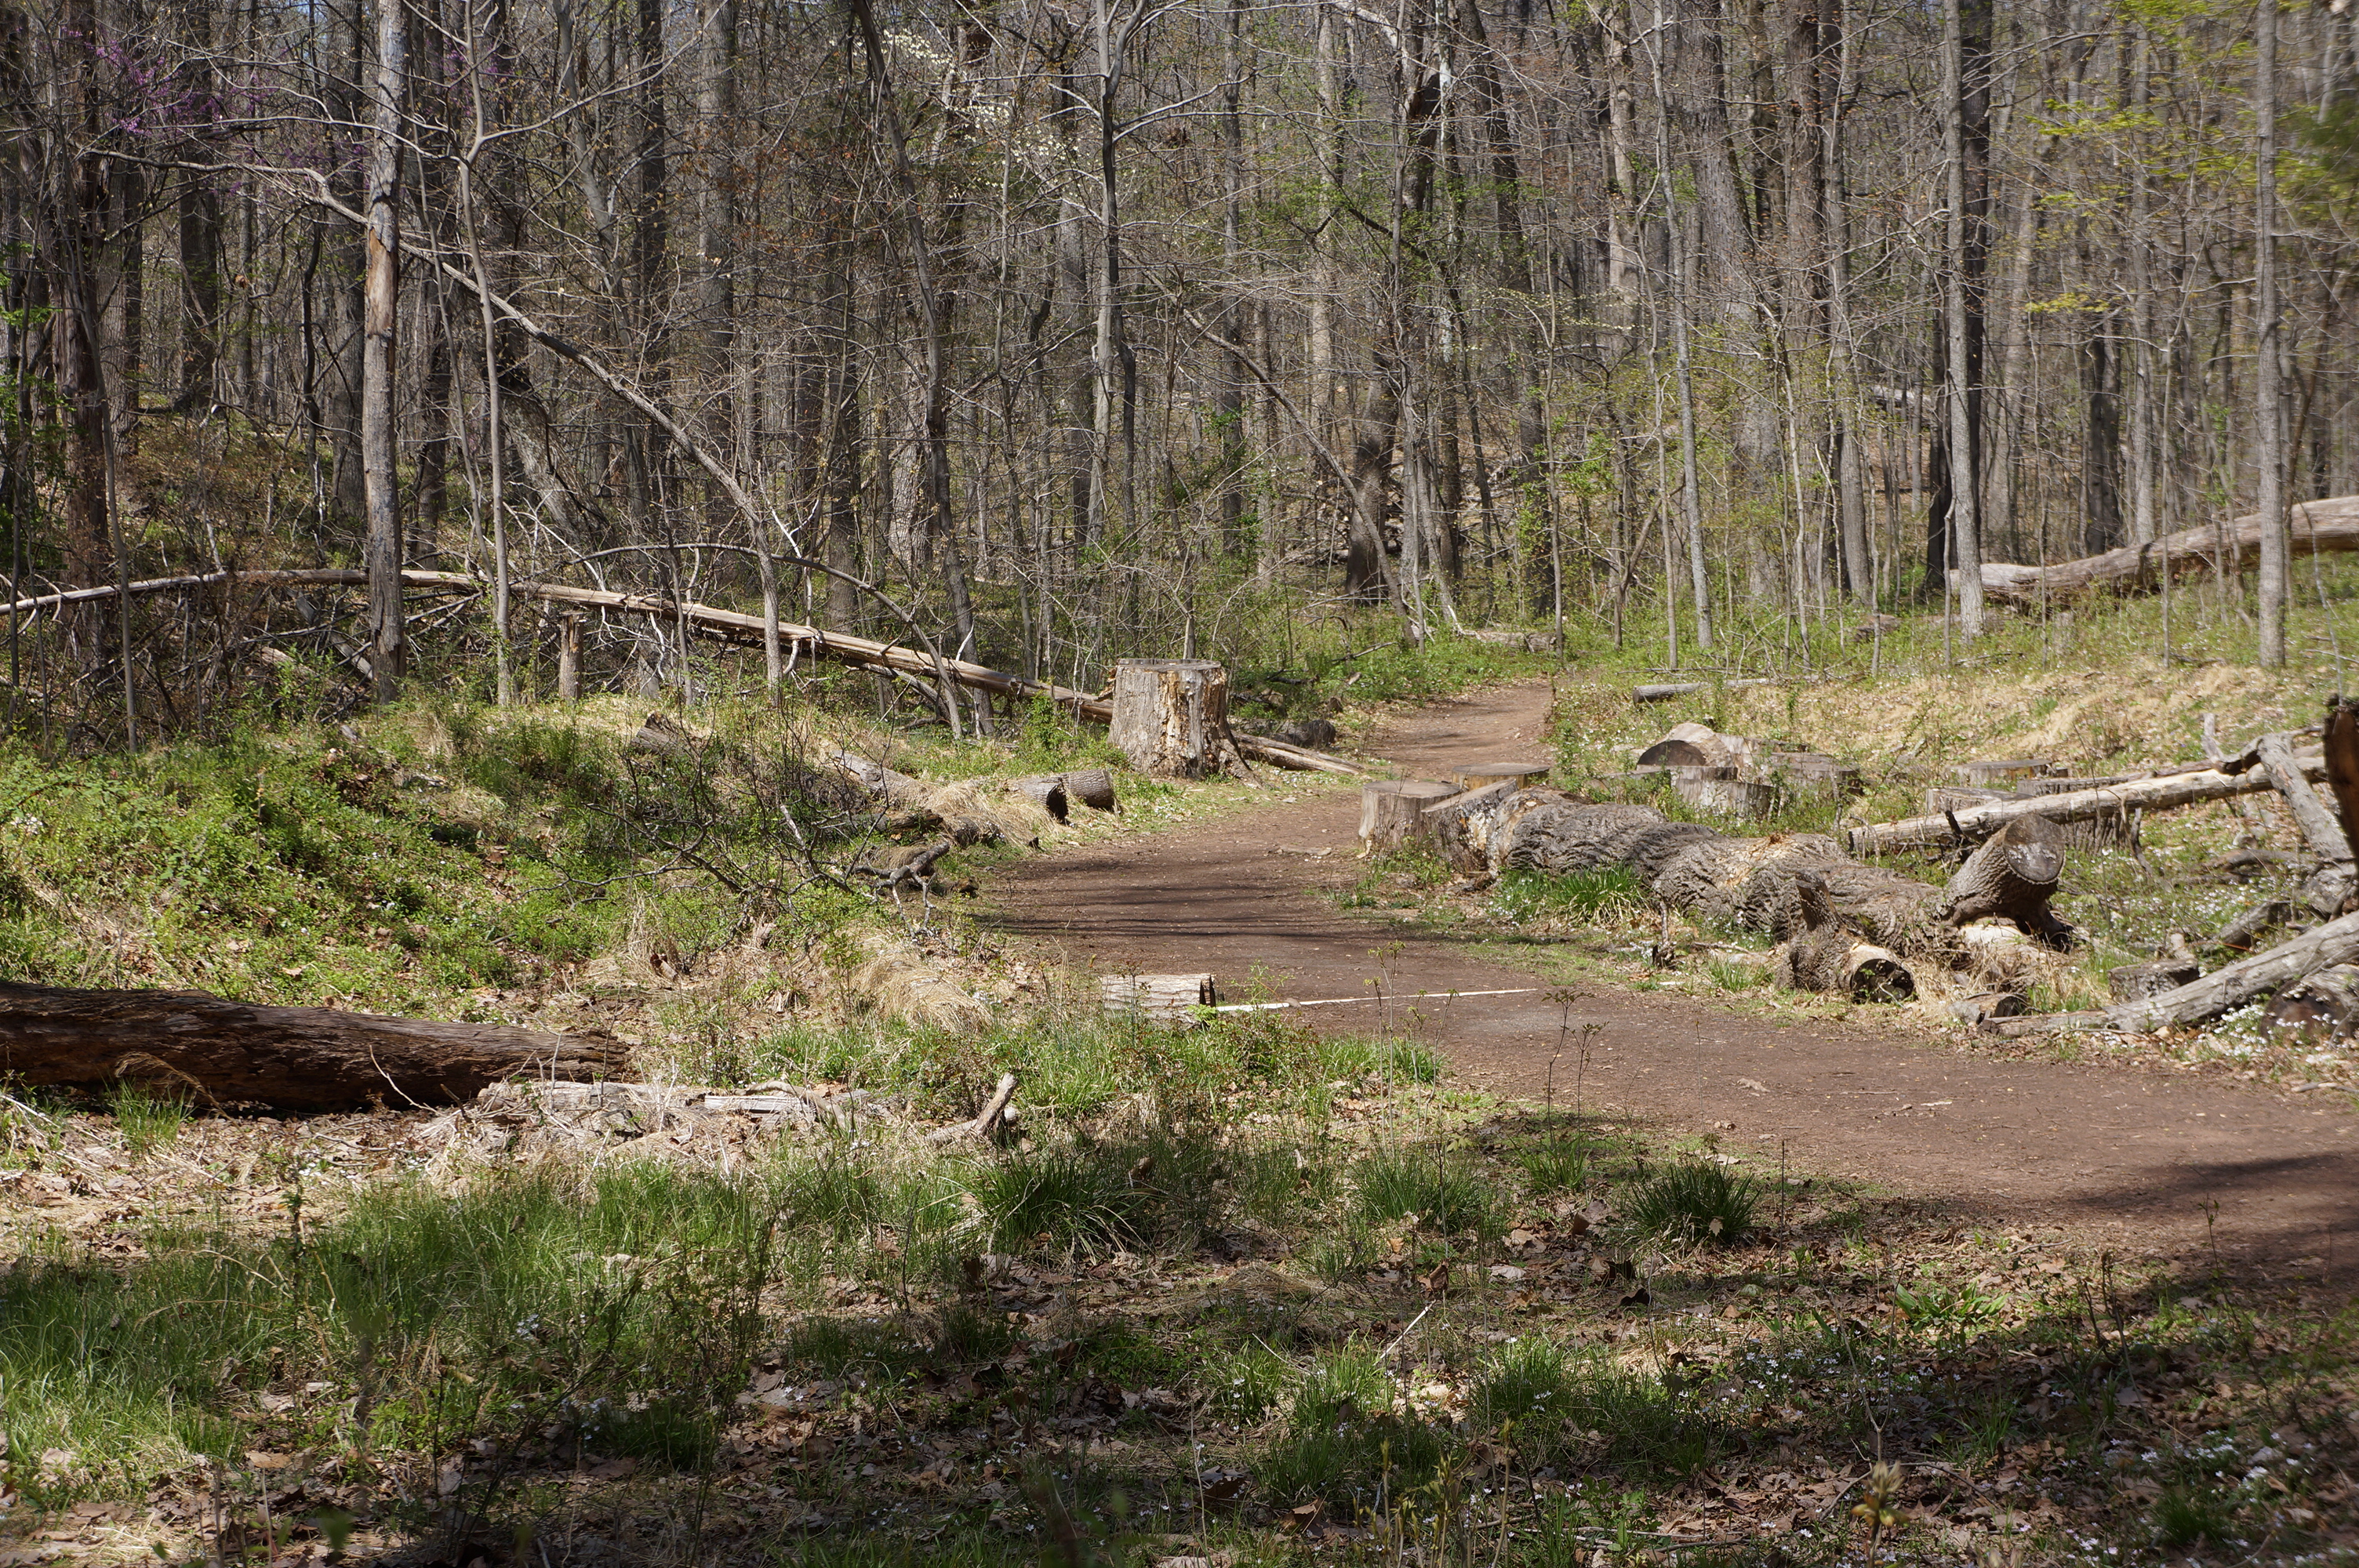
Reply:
x=1720, y=791
x=1392, y=811
x=1165, y=999
x=1943, y=799
x=1812, y=772
x=2001, y=769
x=2134, y=982
x=1171, y=718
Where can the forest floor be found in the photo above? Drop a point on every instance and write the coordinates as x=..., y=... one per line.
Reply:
x=1622, y=1278
x=2141, y=1158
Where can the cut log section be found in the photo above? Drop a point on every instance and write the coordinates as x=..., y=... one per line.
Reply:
x=2323, y=1006
x=1049, y=790
x=1668, y=691
x=2342, y=753
x=1759, y=884
x=301, y=1058
x=2135, y=982
x=1392, y=811
x=1811, y=773
x=1839, y=962
x=2100, y=832
x=2317, y=527
x=1165, y=998
x=1171, y=718
x=1093, y=787
x=2159, y=793
x=2013, y=875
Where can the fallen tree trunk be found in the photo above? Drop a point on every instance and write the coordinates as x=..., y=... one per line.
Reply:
x=301, y=1058
x=727, y=625
x=2160, y=793
x=2318, y=527
x=1790, y=887
x=2223, y=991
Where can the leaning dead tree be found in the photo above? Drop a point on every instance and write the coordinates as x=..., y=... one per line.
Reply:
x=1852, y=927
x=216, y=1051
x=2318, y=527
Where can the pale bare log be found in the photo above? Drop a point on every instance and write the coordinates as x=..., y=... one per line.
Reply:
x=2161, y=793
x=2322, y=527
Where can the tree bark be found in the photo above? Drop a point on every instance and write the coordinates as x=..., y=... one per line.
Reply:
x=2161, y=793
x=299, y=1058
x=1171, y=717
x=2221, y=991
x=2268, y=411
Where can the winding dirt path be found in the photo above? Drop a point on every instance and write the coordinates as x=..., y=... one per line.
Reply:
x=2135, y=1158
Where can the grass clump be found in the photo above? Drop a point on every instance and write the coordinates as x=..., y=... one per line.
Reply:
x=2186, y=1516
x=1695, y=1204
x=1348, y=1441
x=1558, y=1164
x=1606, y=897
x=1446, y=1197
x=148, y=1118
x=1552, y=1405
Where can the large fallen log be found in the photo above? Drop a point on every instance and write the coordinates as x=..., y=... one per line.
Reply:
x=2223, y=991
x=2322, y=527
x=725, y=625
x=1791, y=887
x=302, y=1058
x=2160, y=793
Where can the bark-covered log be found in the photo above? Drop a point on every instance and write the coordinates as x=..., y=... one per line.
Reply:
x=1093, y=787
x=2223, y=991
x=1049, y=790
x=301, y=1058
x=2160, y=793
x=1836, y=960
x=2321, y=1006
x=2317, y=526
x=1993, y=771
x=2132, y=982
x=1667, y=691
x=2239, y=935
x=2013, y=875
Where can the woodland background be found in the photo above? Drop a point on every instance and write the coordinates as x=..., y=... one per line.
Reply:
x=1055, y=332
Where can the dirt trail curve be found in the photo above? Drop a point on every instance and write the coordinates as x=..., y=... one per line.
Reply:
x=2123, y=1157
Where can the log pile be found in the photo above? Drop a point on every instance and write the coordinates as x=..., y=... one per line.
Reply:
x=1798, y=888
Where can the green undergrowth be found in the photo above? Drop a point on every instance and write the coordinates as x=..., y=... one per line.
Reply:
x=1202, y=1307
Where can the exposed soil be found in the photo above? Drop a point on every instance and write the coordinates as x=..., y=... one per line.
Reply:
x=2140, y=1160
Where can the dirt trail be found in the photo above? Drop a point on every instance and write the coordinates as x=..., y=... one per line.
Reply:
x=2129, y=1158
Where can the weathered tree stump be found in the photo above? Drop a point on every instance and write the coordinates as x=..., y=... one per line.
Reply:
x=1165, y=998
x=1721, y=792
x=1171, y=718
x=569, y=658
x=1477, y=775
x=2090, y=833
x=305, y=1058
x=1812, y=772
x=1392, y=811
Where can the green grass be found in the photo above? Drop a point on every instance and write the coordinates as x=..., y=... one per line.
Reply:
x=1350, y=1441
x=529, y=1301
x=1694, y=1204
x=1446, y=1195
x=1611, y=896
x=1556, y=1164
x=148, y=1118
x=1551, y=1406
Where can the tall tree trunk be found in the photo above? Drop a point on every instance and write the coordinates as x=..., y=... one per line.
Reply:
x=200, y=214
x=380, y=551
x=2269, y=407
x=1965, y=104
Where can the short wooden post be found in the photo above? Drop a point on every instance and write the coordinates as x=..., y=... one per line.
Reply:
x=1165, y=998
x=569, y=658
x=1171, y=718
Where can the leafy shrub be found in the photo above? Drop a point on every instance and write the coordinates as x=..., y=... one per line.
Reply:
x=1697, y=1204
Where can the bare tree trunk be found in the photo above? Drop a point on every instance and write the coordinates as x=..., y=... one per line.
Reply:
x=2268, y=409
x=381, y=552
x=1961, y=319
